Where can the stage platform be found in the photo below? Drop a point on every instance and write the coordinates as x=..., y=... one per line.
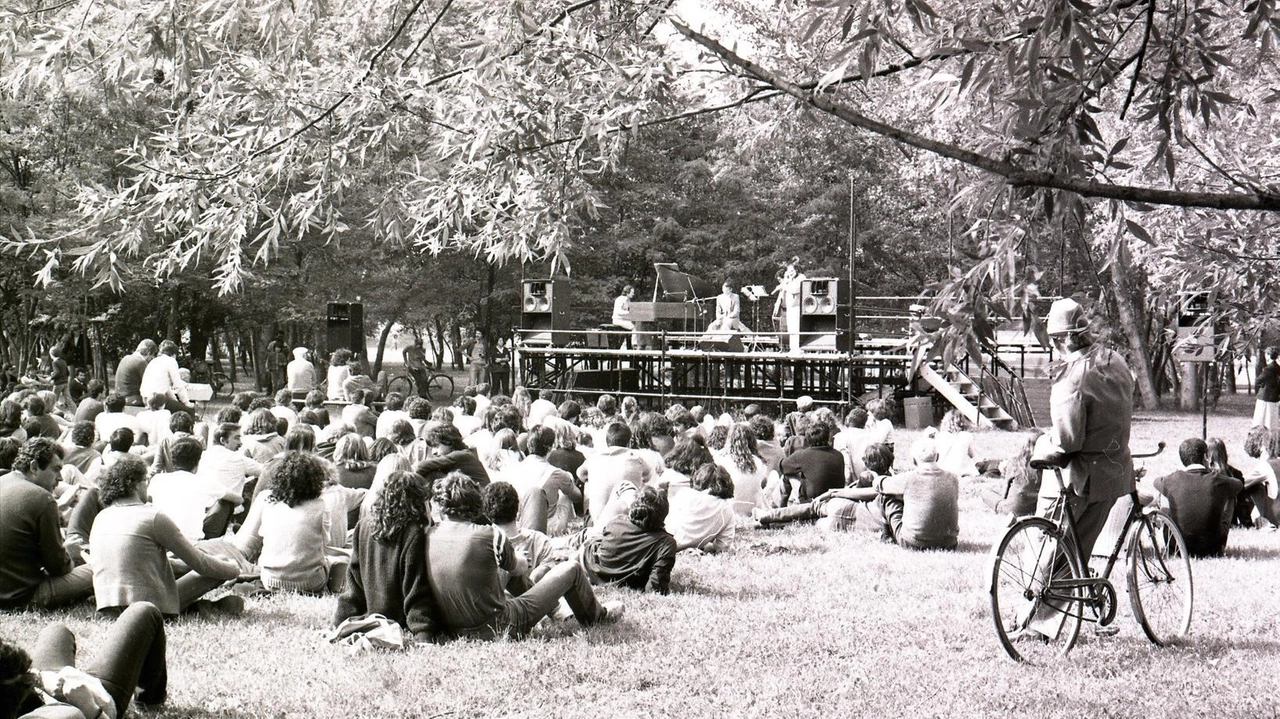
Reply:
x=661, y=377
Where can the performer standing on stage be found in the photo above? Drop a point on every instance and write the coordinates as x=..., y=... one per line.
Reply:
x=622, y=314
x=788, y=291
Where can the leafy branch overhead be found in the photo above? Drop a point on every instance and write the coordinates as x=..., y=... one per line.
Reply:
x=454, y=125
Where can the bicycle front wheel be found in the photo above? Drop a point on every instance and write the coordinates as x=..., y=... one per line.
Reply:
x=402, y=384
x=1036, y=592
x=1159, y=578
x=440, y=387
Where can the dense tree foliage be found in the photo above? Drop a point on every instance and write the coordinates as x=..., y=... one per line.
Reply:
x=994, y=152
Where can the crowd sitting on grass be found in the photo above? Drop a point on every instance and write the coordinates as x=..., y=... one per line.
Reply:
x=476, y=520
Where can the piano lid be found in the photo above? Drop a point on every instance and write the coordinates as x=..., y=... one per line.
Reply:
x=676, y=286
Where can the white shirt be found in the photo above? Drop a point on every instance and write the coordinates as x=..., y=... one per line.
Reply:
x=285, y=413
x=388, y=418
x=227, y=468
x=185, y=498
x=155, y=422
x=161, y=377
x=108, y=422
x=622, y=311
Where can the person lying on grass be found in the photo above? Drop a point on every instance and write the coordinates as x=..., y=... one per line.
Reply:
x=635, y=550
x=463, y=562
x=47, y=685
x=388, y=572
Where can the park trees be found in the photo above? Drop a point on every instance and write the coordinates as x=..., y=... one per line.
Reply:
x=460, y=126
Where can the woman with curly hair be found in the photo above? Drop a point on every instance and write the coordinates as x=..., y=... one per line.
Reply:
x=11, y=420
x=388, y=572
x=130, y=544
x=292, y=523
x=747, y=469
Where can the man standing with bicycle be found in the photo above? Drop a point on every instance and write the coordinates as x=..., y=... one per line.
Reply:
x=415, y=363
x=1091, y=406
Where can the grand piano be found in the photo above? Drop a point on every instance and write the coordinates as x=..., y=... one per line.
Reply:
x=679, y=303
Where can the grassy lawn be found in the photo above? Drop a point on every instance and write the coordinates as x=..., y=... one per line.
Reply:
x=791, y=622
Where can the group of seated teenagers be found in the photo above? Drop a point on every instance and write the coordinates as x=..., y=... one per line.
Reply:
x=474, y=520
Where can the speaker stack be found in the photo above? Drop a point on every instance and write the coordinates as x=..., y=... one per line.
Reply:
x=344, y=327
x=824, y=315
x=544, y=312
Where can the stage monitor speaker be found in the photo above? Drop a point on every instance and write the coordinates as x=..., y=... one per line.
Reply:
x=544, y=312
x=824, y=315
x=344, y=324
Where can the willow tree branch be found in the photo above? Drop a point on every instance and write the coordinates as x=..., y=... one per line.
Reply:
x=1016, y=175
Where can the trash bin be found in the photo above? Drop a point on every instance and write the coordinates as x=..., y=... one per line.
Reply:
x=918, y=412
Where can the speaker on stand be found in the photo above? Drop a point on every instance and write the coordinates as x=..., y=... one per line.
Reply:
x=824, y=315
x=344, y=327
x=544, y=312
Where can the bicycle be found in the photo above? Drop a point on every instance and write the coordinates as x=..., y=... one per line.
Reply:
x=1039, y=577
x=439, y=385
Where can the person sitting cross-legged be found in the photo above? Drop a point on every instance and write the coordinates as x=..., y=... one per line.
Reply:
x=290, y=521
x=635, y=550
x=130, y=544
x=1201, y=501
x=918, y=509
x=817, y=466
x=199, y=504
x=547, y=493
x=463, y=563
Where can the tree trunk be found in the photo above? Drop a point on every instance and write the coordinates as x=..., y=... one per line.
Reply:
x=1139, y=357
x=1192, y=382
x=382, y=346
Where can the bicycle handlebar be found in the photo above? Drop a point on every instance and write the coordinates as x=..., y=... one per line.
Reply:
x=1058, y=460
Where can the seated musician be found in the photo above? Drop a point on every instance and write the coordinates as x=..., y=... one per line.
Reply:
x=622, y=313
x=728, y=311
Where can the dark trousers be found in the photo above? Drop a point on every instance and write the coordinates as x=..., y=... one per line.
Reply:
x=132, y=657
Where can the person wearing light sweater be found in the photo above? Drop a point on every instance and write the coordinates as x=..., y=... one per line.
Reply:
x=702, y=515
x=292, y=524
x=130, y=542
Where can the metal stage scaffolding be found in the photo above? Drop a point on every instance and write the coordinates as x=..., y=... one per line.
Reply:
x=681, y=374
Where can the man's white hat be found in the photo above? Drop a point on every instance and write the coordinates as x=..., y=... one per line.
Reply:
x=1066, y=315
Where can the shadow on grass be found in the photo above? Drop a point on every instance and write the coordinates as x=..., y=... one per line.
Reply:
x=1251, y=552
x=767, y=590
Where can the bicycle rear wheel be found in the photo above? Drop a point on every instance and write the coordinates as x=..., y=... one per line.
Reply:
x=1159, y=577
x=402, y=384
x=440, y=387
x=1036, y=604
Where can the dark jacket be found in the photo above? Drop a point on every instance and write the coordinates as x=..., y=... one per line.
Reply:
x=390, y=578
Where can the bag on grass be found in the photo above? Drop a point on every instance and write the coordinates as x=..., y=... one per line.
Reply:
x=363, y=634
